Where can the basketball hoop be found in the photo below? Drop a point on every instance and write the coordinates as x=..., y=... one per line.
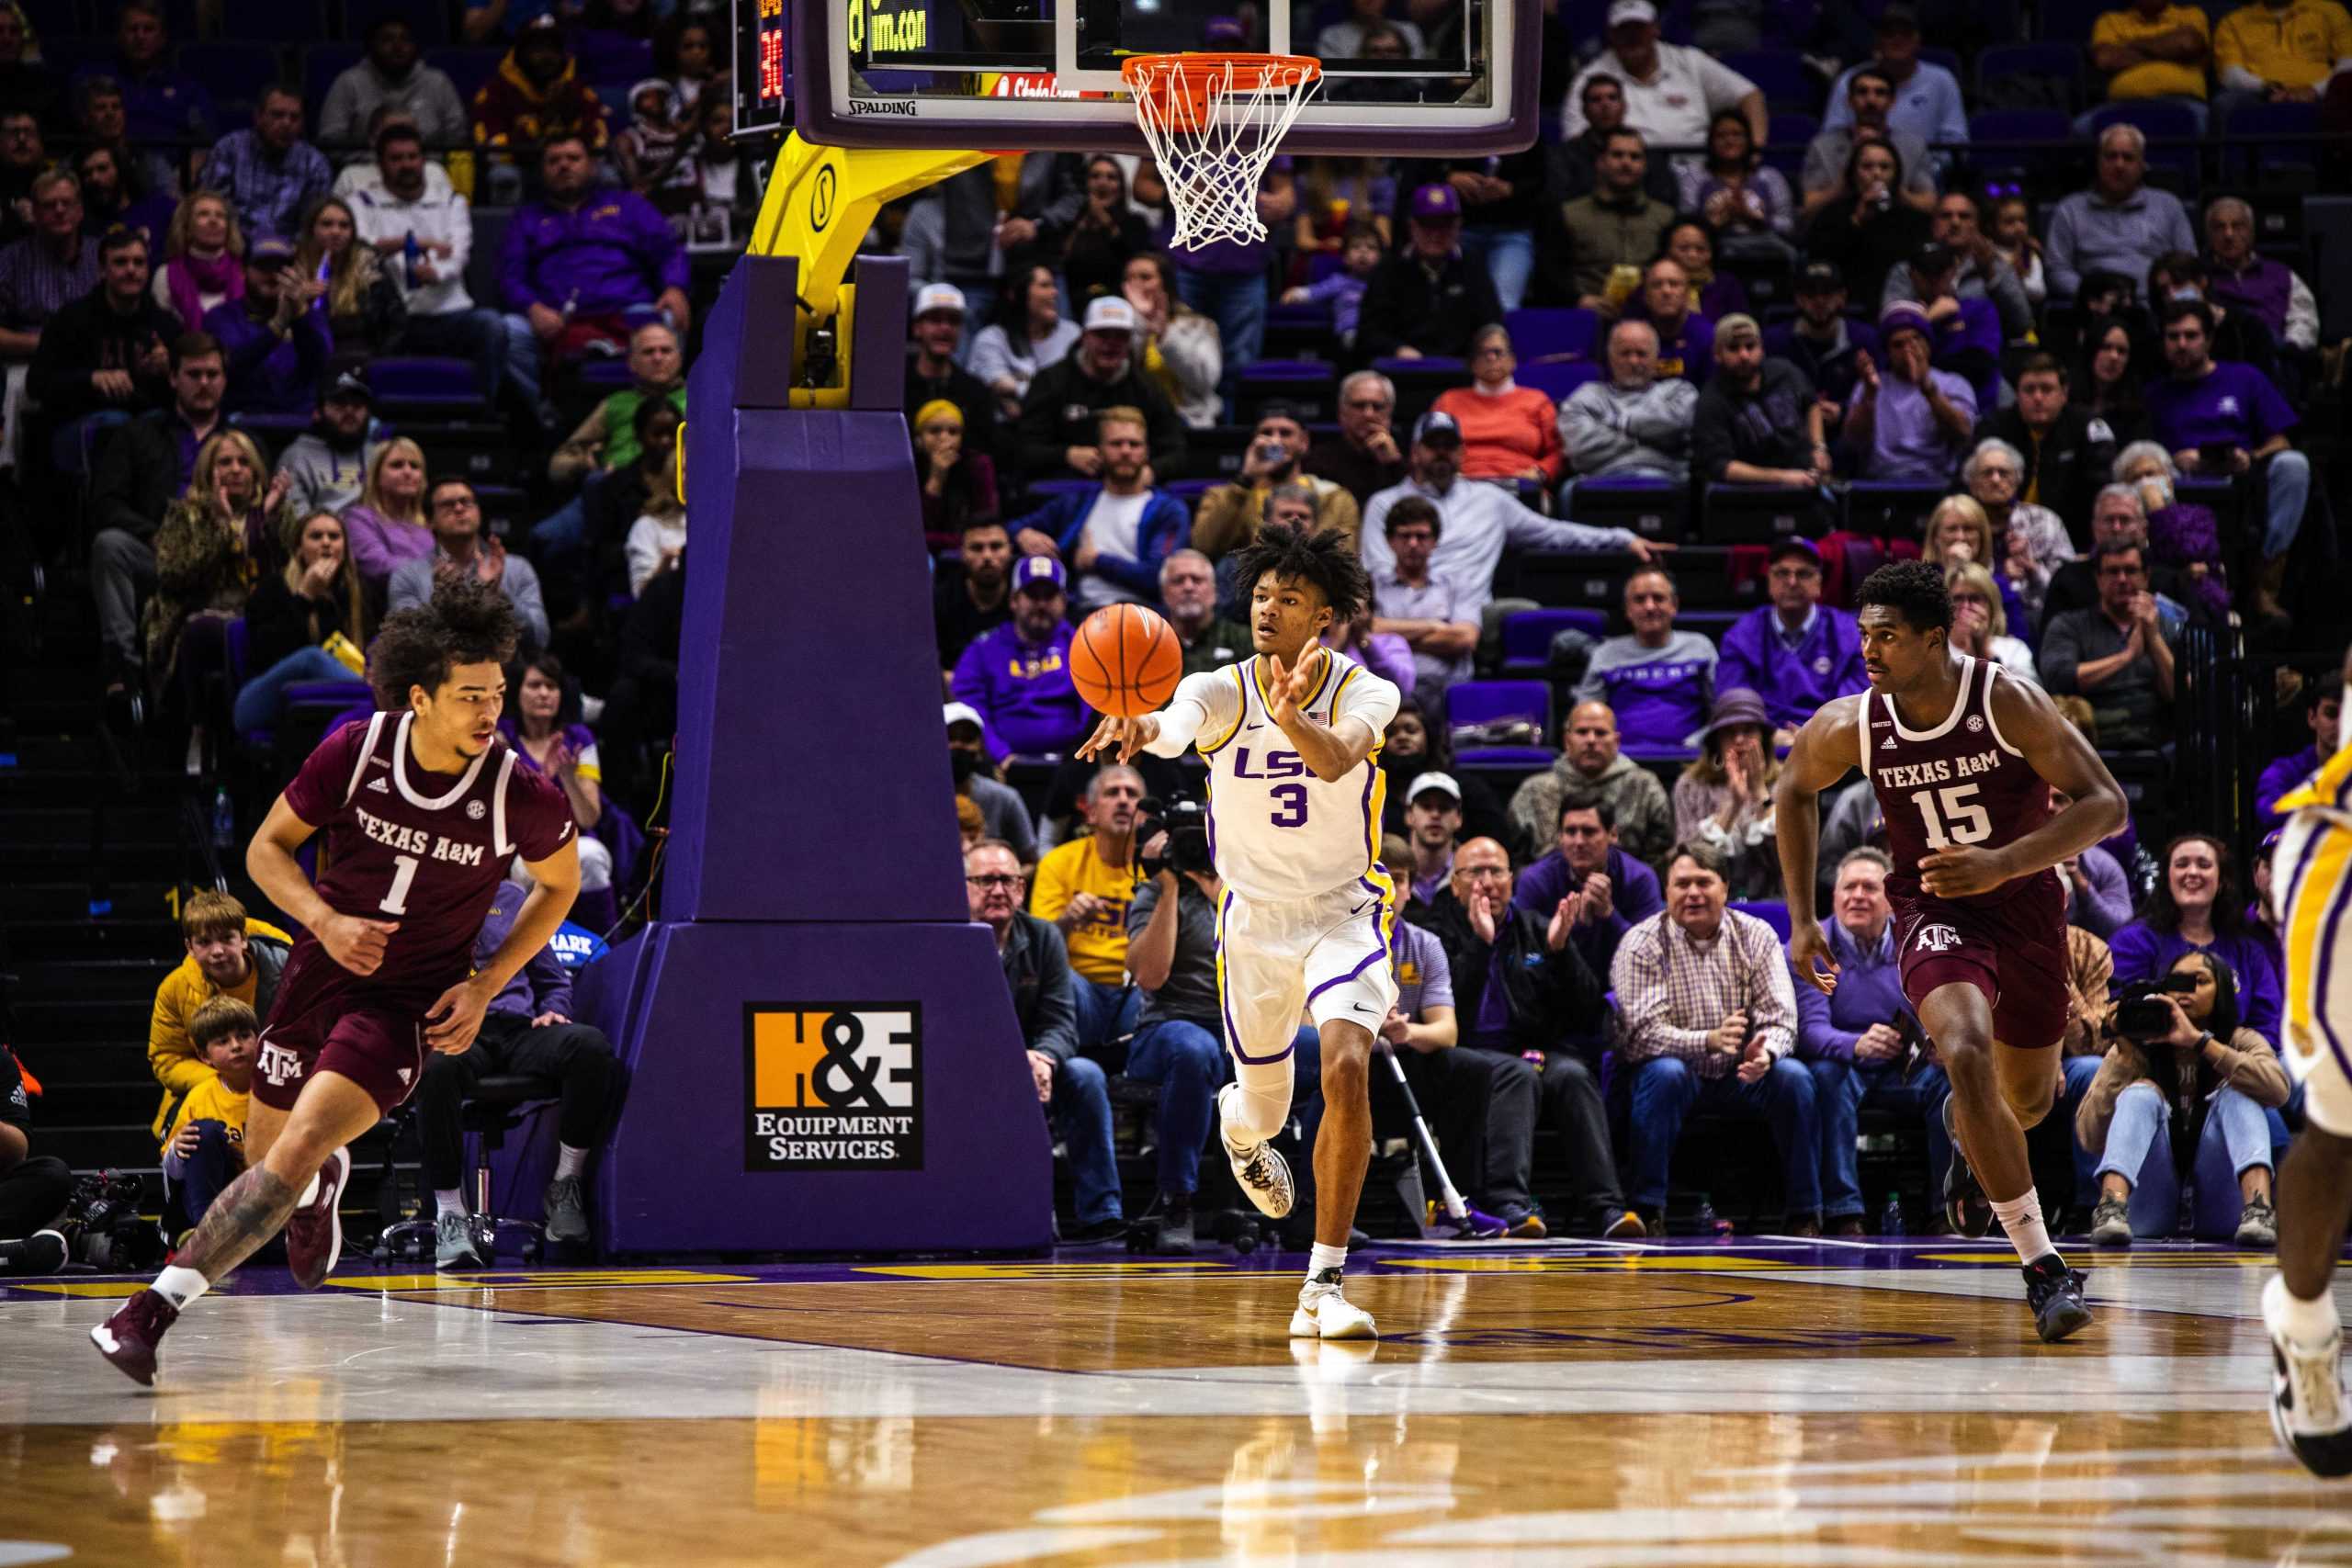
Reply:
x=1213, y=122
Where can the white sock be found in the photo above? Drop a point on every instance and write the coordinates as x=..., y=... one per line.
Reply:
x=2305, y=1323
x=180, y=1286
x=568, y=1162
x=1320, y=1257
x=1260, y=1103
x=2021, y=1218
x=309, y=1193
x=448, y=1201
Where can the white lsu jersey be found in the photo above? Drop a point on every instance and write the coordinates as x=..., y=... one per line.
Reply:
x=1276, y=831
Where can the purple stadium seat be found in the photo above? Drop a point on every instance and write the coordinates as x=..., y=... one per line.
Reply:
x=1551, y=333
x=422, y=382
x=1772, y=913
x=1557, y=379
x=1528, y=634
x=2060, y=60
x=1486, y=702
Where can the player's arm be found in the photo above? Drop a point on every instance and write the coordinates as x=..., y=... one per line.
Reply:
x=451, y=1022
x=1206, y=703
x=356, y=944
x=1824, y=749
x=2057, y=752
x=1359, y=715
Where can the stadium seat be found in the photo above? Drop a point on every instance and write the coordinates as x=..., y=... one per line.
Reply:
x=1710, y=624
x=611, y=374
x=235, y=73
x=1550, y=332
x=1557, y=379
x=1657, y=509
x=2017, y=144
x=1491, y=702
x=1528, y=634
x=422, y=382
x=1758, y=514
x=2070, y=22
x=610, y=57
x=468, y=68
x=2268, y=146
x=1310, y=387
x=1772, y=912
x=1789, y=135
x=286, y=21
x=322, y=63
x=2061, y=61
x=1890, y=510
x=429, y=23
x=1419, y=382
x=1780, y=75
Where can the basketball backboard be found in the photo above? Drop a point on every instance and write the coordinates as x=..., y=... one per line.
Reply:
x=1044, y=75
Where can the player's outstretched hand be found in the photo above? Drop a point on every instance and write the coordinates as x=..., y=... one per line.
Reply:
x=455, y=1017
x=1809, y=947
x=1130, y=736
x=356, y=944
x=1960, y=870
x=1288, y=688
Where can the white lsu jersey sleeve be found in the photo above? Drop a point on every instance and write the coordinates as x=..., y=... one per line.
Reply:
x=1206, y=707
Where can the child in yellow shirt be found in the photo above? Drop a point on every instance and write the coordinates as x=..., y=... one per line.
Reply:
x=203, y=1131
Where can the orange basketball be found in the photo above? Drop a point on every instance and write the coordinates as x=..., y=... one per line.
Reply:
x=1125, y=660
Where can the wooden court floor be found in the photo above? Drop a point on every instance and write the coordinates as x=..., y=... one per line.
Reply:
x=1578, y=1404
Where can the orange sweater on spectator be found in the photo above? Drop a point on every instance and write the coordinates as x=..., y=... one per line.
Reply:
x=1504, y=435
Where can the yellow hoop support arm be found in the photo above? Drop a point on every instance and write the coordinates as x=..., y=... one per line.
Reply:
x=821, y=200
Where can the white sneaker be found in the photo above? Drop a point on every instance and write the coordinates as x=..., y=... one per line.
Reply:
x=1263, y=1174
x=2306, y=1396
x=1324, y=1313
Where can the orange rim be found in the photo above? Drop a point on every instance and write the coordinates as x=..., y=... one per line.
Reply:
x=1193, y=79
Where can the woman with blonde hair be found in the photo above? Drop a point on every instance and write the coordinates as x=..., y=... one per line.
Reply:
x=215, y=539
x=295, y=612
x=204, y=262
x=364, y=309
x=1980, y=626
x=387, y=525
x=1958, y=531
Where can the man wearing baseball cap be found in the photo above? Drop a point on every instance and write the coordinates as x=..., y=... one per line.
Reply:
x=1057, y=435
x=1907, y=422
x=1964, y=336
x=1796, y=652
x=1757, y=421
x=1821, y=343
x=277, y=346
x=1926, y=96
x=1671, y=90
x=1426, y=296
x=1017, y=677
x=933, y=337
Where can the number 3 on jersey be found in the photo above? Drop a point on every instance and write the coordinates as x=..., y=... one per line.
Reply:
x=1293, y=805
x=1969, y=822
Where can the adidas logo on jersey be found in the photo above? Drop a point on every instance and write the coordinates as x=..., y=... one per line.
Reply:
x=379, y=786
x=1886, y=745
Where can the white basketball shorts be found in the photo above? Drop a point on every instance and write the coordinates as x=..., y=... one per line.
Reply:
x=2313, y=872
x=1324, y=957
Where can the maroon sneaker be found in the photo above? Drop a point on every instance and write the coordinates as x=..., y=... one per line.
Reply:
x=128, y=1338
x=314, y=1234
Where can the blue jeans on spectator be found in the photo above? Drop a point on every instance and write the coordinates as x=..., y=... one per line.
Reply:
x=1840, y=1090
x=1237, y=302
x=1665, y=1090
x=2236, y=1139
x=2075, y=1073
x=558, y=538
x=1105, y=1012
x=523, y=357
x=1509, y=256
x=1188, y=1063
x=2287, y=489
x=481, y=335
x=259, y=699
x=197, y=1178
x=1080, y=1110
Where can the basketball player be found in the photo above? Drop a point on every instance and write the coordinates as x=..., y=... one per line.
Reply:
x=1962, y=759
x=422, y=807
x=2311, y=875
x=1294, y=802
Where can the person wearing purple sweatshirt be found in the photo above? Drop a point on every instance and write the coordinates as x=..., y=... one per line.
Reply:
x=1619, y=890
x=2324, y=710
x=1343, y=290
x=1016, y=677
x=1796, y=652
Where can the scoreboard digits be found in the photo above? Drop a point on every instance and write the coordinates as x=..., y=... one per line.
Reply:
x=763, y=66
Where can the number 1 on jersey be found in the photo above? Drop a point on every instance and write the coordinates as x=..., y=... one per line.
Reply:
x=404, y=871
x=1971, y=823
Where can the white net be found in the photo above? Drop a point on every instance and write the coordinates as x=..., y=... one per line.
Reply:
x=1213, y=124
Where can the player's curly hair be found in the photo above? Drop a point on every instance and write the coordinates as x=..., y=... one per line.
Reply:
x=1914, y=590
x=466, y=623
x=1321, y=555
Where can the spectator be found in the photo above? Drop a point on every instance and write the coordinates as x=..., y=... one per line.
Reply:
x=1433, y=830
x=1094, y=232
x=2119, y=656
x=1416, y=744
x=2265, y=288
x=1439, y=619
x=1225, y=280
x=2279, y=51
x=34, y=1188
x=2324, y=711
x=1427, y=297
x=229, y=954
x=391, y=524
x=1822, y=341
x=1707, y=1017
x=1711, y=293
x=1926, y=96
x=230, y=517
x=2209, y=1059
x=108, y=202
x=2099, y=895
x=277, y=346
x=972, y=594
x=363, y=305
x=458, y=544
x=202, y=1132
x=1615, y=890
x=1686, y=339
x=607, y=439
x=579, y=258
x=2109, y=388
x=2121, y=224
x=140, y=470
x=1502, y=201
x=1017, y=676
x=2219, y=417
x=956, y=487
x=1671, y=90
x=47, y=270
x=2236, y=335
x=1575, y=161
x=1912, y=425
x=1006, y=357
x=103, y=118
x=390, y=76
x=2195, y=907
x=1508, y=431
x=1085, y=888
x=489, y=19
x=1861, y=228
x=268, y=173
x=1605, y=236
x=22, y=160
x=294, y=613
x=1741, y=197
x=327, y=466
x=2032, y=543
x=1344, y=40
x=1591, y=765
x=1758, y=422
x=1958, y=532
x=1723, y=798
x=204, y=259
x=1980, y=625
x=1176, y=347
x=1364, y=457
x=1058, y=419
x=2120, y=516
x=2153, y=51
x=535, y=97
x=1657, y=681
x=1862, y=1041
x=1071, y=1087
x=1525, y=991
x=1980, y=273
x=527, y=1031
x=417, y=204
x=652, y=153
x=1637, y=422
x=1795, y=653
x=28, y=85
x=2019, y=247
x=1343, y=200
x=550, y=737
x=1343, y=290
x=1115, y=535
x=2064, y=451
x=1231, y=515
x=1188, y=598
x=1869, y=98
x=1003, y=814
x=933, y=374
x=162, y=108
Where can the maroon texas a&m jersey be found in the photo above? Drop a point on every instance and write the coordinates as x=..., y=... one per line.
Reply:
x=1958, y=782
x=426, y=850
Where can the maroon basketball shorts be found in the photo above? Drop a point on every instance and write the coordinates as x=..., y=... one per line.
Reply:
x=2014, y=951
x=381, y=1049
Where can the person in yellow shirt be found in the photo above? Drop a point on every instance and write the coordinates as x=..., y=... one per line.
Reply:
x=2152, y=48
x=1084, y=888
x=2279, y=51
x=229, y=955
x=203, y=1131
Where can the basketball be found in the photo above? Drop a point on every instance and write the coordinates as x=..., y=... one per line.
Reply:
x=1125, y=660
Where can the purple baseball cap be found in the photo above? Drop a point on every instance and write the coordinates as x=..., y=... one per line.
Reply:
x=1437, y=204
x=1034, y=570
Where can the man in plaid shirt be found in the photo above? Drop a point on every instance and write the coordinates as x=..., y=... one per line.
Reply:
x=1707, y=1018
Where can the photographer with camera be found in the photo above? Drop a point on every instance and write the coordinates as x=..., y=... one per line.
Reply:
x=34, y=1188
x=2196, y=906
x=1178, y=1040
x=2182, y=1060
